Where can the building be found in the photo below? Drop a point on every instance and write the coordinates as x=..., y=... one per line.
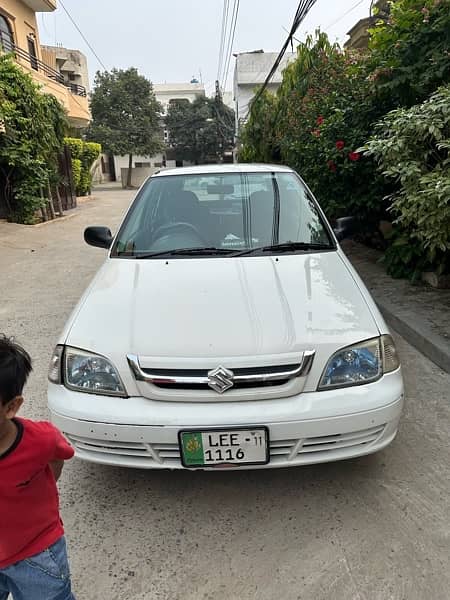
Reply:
x=250, y=71
x=228, y=99
x=166, y=94
x=359, y=34
x=72, y=64
x=19, y=35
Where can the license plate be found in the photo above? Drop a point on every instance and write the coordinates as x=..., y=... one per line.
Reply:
x=215, y=447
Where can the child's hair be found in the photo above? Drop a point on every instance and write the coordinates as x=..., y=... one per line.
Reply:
x=15, y=366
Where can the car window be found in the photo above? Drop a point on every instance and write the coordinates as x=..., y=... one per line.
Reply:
x=238, y=211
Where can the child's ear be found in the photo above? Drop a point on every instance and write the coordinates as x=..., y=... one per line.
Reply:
x=13, y=407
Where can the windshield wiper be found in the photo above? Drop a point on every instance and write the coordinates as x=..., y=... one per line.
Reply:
x=286, y=247
x=187, y=252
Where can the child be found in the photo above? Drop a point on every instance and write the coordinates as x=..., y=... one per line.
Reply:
x=33, y=558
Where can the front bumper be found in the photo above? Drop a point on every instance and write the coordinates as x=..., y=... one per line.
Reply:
x=305, y=429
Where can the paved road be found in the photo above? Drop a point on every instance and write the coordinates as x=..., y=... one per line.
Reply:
x=376, y=528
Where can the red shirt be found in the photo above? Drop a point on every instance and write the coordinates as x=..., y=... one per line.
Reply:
x=29, y=501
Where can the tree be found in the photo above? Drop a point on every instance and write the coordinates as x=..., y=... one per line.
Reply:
x=258, y=137
x=126, y=117
x=408, y=53
x=322, y=113
x=201, y=131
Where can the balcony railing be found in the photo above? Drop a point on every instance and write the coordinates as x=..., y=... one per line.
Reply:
x=7, y=46
x=75, y=88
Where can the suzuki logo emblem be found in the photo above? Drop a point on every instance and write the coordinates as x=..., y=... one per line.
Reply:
x=220, y=379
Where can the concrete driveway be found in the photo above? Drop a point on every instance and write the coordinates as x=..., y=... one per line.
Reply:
x=376, y=528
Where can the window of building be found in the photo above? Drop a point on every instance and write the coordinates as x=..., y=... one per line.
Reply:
x=6, y=35
x=140, y=165
x=32, y=52
x=179, y=102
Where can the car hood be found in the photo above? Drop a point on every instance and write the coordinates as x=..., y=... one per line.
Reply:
x=249, y=310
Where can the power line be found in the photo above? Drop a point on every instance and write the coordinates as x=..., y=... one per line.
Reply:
x=226, y=6
x=303, y=9
x=228, y=30
x=293, y=37
x=231, y=41
x=83, y=36
x=344, y=14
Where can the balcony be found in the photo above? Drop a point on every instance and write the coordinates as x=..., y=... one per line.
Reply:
x=31, y=61
x=41, y=5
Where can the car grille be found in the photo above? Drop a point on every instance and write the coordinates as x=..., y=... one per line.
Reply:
x=281, y=451
x=168, y=377
x=213, y=384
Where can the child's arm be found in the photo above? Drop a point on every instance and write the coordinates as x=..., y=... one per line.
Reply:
x=61, y=451
x=56, y=466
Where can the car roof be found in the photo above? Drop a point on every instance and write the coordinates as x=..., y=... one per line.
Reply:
x=224, y=168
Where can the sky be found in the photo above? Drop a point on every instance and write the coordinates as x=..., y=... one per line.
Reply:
x=170, y=41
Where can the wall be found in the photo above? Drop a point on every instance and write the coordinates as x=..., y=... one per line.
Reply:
x=77, y=106
x=138, y=176
x=244, y=96
x=121, y=162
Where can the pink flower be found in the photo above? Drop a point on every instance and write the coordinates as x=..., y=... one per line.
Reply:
x=320, y=120
x=340, y=144
x=354, y=156
x=331, y=165
x=426, y=14
x=315, y=132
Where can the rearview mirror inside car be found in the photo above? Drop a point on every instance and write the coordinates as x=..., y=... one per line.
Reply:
x=220, y=189
x=100, y=237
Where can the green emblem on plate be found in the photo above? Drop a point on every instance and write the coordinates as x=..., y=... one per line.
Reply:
x=193, y=448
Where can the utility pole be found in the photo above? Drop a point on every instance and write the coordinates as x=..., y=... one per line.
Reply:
x=218, y=104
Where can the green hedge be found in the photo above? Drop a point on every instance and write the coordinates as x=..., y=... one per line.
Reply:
x=84, y=154
x=76, y=172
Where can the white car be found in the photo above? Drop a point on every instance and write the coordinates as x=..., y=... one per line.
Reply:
x=226, y=329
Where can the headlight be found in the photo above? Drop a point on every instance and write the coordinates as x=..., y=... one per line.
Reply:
x=361, y=363
x=86, y=372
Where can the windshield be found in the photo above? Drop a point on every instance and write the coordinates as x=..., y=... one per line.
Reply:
x=221, y=214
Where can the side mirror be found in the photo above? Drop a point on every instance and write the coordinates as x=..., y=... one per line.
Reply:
x=101, y=237
x=345, y=227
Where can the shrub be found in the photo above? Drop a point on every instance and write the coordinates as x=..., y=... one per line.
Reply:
x=84, y=154
x=411, y=147
x=84, y=186
x=75, y=146
x=90, y=152
x=76, y=172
